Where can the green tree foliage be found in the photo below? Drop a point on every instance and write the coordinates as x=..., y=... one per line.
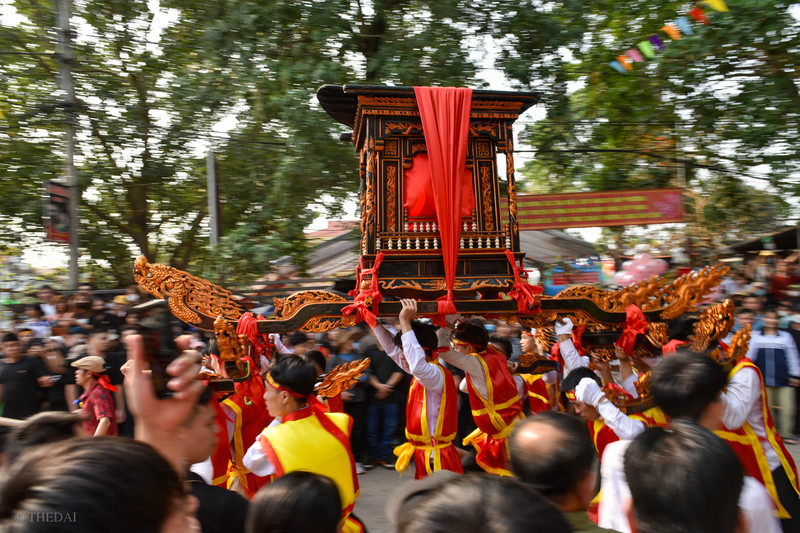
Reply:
x=709, y=112
x=154, y=81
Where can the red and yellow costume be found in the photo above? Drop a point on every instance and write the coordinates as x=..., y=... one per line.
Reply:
x=316, y=442
x=495, y=414
x=423, y=446
x=248, y=420
x=748, y=445
x=539, y=395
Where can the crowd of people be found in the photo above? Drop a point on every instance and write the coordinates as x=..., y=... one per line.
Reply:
x=502, y=435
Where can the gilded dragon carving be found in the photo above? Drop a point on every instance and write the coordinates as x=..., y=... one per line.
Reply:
x=190, y=298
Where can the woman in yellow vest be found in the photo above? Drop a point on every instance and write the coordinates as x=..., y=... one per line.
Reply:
x=303, y=436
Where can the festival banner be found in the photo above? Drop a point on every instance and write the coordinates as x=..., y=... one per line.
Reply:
x=596, y=209
x=675, y=30
x=56, y=212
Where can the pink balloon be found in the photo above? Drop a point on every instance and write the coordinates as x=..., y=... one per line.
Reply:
x=624, y=279
x=659, y=266
x=643, y=270
x=642, y=258
x=627, y=266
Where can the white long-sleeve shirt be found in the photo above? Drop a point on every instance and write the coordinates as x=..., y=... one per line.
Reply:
x=741, y=402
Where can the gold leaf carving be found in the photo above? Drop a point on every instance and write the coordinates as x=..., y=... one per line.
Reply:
x=486, y=192
x=188, y=296
x=391, y=176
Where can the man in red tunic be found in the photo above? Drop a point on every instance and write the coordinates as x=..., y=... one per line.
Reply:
x=493, y=395
x=97, y=401
x=432, y=407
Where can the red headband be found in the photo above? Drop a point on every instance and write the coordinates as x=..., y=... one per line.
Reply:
x=280, y=387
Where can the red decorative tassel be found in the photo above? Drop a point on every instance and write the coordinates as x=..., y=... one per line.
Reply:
x=635, y=324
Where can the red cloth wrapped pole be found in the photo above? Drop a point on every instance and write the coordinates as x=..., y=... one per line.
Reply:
x=445, y=123
x=366, y=298
x=635, y=324
x=523, y=292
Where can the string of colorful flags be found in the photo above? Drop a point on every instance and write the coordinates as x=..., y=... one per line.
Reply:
x=647, y=48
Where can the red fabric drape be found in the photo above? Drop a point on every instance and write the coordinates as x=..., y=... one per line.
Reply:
x=418, y=195
x=445, y=123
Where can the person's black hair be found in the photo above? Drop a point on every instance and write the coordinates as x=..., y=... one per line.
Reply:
x=36, y=307
x=573, y=378
x=425, y=334
x=297, y=502
x=202, y=401
x=682, y=328
x=490, y=504
x=317, y=357
x=42, y=428
x=472, y=333
x=503, y=345
x=294, y=372
x=103, y=483
x=46, y=287
x=10, y=337
x=567, y=461
x=296, y=337
x=99, y=329
x=685, y=468
x=744, y=311
x=685, y=383
x=34, y=341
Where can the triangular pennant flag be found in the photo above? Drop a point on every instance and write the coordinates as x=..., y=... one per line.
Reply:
x=625, y=62
x=718, y=5
x=672, y=30
x=616, y=65
x=683, y=24
x=647, y=49
x=656, y=40
x=699, y=15
x=634, y=54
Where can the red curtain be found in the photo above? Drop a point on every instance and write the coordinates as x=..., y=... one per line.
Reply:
x=445, y=122
x=418, y=195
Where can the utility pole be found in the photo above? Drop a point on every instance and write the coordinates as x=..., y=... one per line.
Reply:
x=70, y=107
x=213, y=198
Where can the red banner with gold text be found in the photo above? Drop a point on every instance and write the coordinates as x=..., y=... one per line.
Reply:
x=596, y=209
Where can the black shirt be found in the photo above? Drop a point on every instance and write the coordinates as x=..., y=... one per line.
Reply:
x=220, y=510
x=21, y=392
x=383, y=367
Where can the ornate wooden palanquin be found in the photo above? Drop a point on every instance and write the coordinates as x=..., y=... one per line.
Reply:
x=388, y=136
x=399, y=231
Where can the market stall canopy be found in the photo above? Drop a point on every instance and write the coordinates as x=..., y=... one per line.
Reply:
x=785, y=238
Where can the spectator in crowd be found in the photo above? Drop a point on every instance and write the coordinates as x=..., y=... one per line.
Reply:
x=101, y=318
x=22, y=380
x=47, y=296
x=775, y=354
x=299, y=343
x=355, y=398
x=683, y=479
x=299, y=501
x=553, y=453
x=383, y=407
x=753, y=303
x=94, y=486
x=97, y=401
x=784, y=276
x=36, y=321
x=40, y=429
x=488, y=504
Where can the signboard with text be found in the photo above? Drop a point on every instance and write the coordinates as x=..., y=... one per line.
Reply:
x=56, y=212
x=595, y=209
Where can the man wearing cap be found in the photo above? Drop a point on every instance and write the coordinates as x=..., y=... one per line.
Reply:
x=493, y=395
x=432, y=405
x=303, y=436
x=97, y=401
